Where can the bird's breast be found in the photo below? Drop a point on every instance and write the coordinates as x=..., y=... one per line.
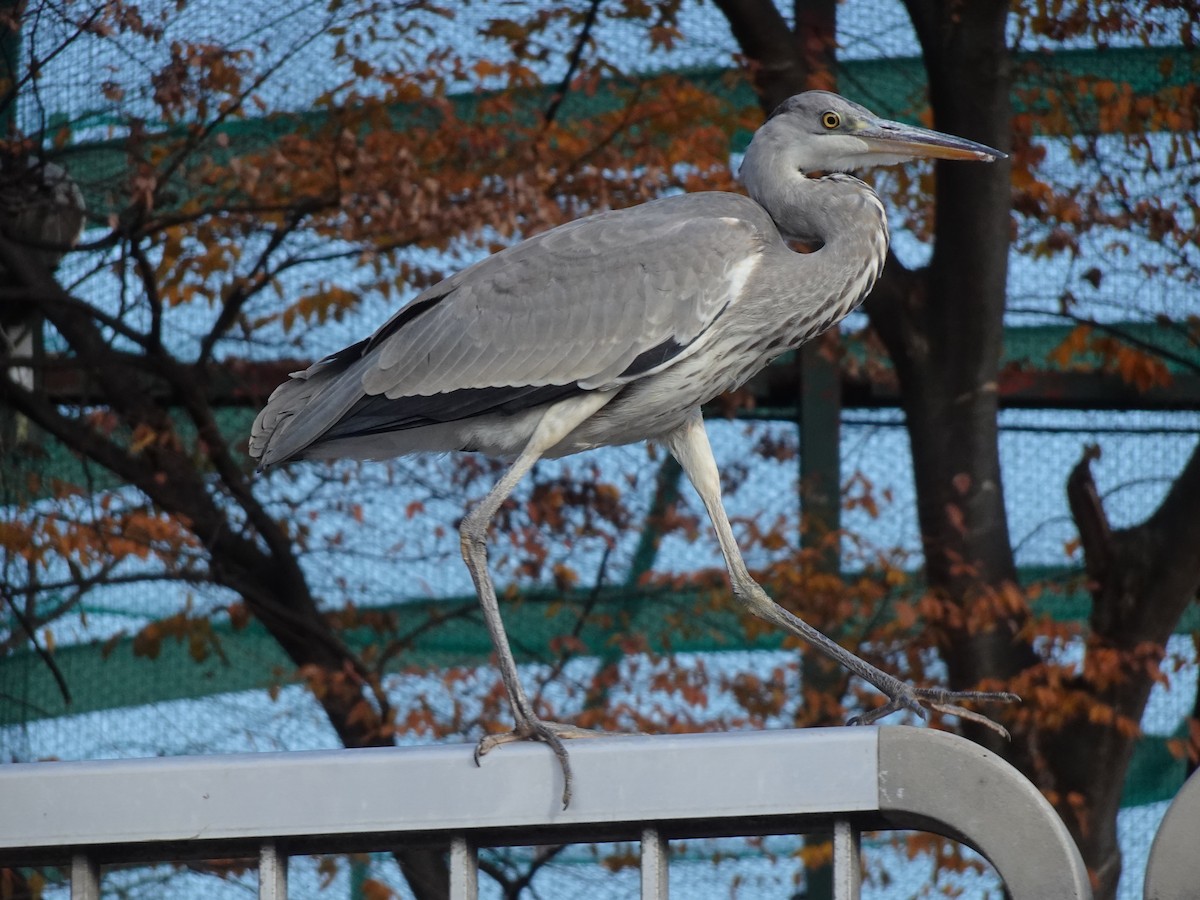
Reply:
x=653, y=406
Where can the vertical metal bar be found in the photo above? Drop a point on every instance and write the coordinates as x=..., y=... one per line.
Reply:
x=464, y=869
x=85, y=878
x=666, y=493
x=819, y=415
x=272, y=873
x=847, y=861
x=655, y=864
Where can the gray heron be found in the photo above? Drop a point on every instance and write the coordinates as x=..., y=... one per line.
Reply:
x=616, y=328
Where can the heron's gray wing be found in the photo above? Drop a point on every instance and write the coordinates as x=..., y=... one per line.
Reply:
x=593, y=303
x=589, y=305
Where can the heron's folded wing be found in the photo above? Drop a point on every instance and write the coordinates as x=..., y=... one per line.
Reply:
x=592, y=303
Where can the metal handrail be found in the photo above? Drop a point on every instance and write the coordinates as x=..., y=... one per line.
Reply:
x=1173, y=870
x=647, y=789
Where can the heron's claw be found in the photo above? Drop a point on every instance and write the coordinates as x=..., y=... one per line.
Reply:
x=550, y=733
x=947, y=702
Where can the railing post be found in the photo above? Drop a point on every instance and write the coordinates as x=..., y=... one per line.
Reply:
x=464, y=869
x=847, y=861
x=1173, y=871
x=272, y=873
x=655, y=865
x=85, y=878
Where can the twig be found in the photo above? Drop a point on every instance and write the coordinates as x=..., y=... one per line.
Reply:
x=42, y=652
x=572, y=65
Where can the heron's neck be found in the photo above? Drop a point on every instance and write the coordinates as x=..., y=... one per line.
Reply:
x=839, y=213
x=826, y=211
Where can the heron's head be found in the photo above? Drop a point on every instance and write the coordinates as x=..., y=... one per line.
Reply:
x=821, y=131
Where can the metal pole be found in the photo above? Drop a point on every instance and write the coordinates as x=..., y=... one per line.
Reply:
x=464, y=869
x=85, y=878
x=655, y=863
x=272, y=873
x=847, y=861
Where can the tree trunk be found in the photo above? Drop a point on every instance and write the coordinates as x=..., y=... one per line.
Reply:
x=785, y=61
x=1142, y=579
x=944, y=329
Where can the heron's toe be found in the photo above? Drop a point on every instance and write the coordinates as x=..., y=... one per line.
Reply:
x=920, y=699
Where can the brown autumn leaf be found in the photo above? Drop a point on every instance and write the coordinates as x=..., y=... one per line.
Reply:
x=376, y=890
x=954, y=515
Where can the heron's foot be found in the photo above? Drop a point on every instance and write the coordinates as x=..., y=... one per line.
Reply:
x=903, y=696
x=551, y=733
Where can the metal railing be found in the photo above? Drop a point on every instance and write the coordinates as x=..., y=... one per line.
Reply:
x=1173, y=870
x=647, y=789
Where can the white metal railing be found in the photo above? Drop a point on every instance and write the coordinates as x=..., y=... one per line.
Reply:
x=647, y=789
x=1173, y=870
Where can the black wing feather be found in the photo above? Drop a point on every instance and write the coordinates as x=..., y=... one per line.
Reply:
x=379, y=414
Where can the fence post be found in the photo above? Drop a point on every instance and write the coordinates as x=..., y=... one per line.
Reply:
x=847, y=861
x=464, y=869
x=272, y=872
x=655, y=865
x=85, y=878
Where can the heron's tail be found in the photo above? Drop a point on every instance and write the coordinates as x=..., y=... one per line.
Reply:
x=306, y=406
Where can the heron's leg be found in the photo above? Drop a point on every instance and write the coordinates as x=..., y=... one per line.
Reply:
x=557, y=422
x=689, y=444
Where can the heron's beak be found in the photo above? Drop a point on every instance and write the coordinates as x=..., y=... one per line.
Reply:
x=882, y=136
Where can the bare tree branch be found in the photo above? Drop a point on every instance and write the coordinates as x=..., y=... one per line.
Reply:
x=44, y=655
x=564, y=86
x=1087, y=509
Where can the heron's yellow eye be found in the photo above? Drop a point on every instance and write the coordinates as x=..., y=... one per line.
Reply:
x=830, y=119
